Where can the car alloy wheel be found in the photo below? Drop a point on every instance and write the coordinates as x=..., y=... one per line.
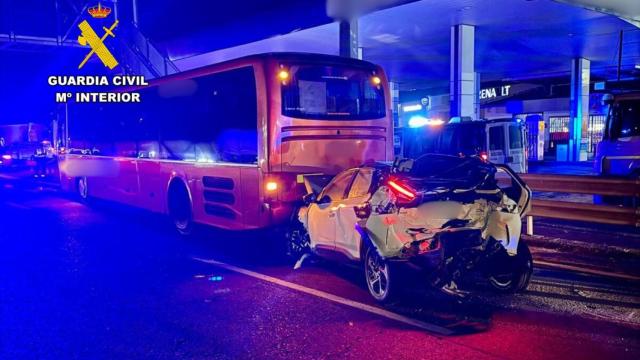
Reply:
x=377, y=275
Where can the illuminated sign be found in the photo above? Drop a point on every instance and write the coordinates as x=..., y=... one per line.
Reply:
x=410, y=108
x=494, y=92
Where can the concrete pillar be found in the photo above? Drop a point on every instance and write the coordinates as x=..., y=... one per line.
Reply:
x=394, y=89
x=579, y=109
x=349, y=38
x=463, y=95
x=395, y=114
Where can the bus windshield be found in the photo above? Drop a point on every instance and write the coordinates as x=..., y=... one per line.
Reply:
x=625, y=119
x=332, y=92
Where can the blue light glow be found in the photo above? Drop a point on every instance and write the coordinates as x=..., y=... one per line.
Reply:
x=420, y=121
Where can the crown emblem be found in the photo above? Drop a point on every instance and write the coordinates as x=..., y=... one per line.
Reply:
x=99, y=12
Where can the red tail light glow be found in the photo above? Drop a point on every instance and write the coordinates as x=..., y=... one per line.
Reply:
x=401, y=189
x=484, y=156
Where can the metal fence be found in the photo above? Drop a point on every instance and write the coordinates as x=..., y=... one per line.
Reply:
x=598, y=213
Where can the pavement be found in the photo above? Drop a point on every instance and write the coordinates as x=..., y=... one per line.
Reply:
x=107, y=281
x=562, y=167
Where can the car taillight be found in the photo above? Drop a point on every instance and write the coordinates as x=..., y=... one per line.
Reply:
x=484, y=156
x=401, y=190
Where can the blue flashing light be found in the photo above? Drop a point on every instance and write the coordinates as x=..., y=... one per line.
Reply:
x=418, y=121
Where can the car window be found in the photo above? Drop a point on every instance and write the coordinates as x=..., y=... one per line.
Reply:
x=361, y=183
x=496, y=138
x=338, y=186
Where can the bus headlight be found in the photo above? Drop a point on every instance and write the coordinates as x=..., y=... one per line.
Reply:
x=271, y=186
x=283, y=75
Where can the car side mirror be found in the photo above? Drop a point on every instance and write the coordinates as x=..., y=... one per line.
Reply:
x=309, y=198
x=324, y=200
x=363, y=211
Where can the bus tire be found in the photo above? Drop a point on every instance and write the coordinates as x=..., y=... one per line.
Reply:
x=179, y=206
x=82, y=189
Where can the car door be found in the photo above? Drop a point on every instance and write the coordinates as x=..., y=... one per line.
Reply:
x=348, y=240
x=496, y=141
x=322, y=215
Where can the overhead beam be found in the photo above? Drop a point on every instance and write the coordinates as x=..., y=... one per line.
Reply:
x=628, y=11
x=36, y=40
x=352, y=9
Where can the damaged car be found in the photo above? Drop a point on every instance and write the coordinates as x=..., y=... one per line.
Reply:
x=446, y=216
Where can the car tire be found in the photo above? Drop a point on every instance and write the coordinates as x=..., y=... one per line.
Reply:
x=297, y=241
x=378, y=276
x=180, y=211
x=520, y=268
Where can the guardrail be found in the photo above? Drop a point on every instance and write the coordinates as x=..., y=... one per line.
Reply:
x=596, y=185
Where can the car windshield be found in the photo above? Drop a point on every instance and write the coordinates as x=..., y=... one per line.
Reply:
x=332, y=92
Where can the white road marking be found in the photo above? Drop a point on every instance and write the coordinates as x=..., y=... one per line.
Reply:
x=337, y=299
x=16, y=205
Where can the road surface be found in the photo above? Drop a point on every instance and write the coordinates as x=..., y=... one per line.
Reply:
x=105, y=281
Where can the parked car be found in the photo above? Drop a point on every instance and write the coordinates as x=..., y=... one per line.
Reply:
x=447, y=216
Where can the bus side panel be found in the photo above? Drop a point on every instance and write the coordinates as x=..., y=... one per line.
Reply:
x=216, y=195
x=104, y=175
x=67, y=182
x=153, y=185
x=256, y=215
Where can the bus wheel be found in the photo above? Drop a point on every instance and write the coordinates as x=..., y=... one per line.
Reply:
x=82, y=187
x=180, y=208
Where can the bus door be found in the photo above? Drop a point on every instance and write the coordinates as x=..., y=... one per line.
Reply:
x=516, y=141
x=496, y=143
x=126, y=185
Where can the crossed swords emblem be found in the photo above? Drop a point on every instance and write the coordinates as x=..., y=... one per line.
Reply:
x=89, y=37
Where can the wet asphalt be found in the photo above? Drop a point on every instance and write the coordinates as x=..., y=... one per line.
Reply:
x=102, y=281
